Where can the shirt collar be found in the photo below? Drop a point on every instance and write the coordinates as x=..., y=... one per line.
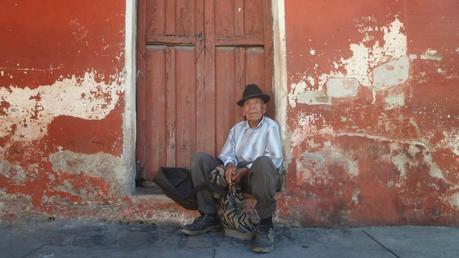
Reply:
x=247, y=126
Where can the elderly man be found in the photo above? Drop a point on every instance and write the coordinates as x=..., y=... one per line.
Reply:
x=253, y=157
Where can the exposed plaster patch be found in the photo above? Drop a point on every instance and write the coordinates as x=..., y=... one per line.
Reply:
x=391, y=74
x=400, y=162
x=356, y=196
x=329, y=131
x=431, y=54
x=309, y=167
x=30, y=111
x=14, y=172
x=434, y=171
x=362, y=61
x=308, y=127
x=340, y=157
x=405, y=159
x=454, y=201
x=297, y=90
x=312, y=166
x=450, y=141
x=314, y=98
x=101, y=165
x=394, y=101
x=342, y=87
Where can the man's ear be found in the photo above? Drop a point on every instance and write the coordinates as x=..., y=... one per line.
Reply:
x=265, y=108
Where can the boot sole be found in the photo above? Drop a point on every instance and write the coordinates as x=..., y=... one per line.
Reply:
x=203, y=231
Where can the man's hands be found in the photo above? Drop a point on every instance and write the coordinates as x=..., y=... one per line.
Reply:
x=233, y=174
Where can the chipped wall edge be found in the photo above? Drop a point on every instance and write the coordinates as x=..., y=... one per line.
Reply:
x=280, y=74
x=129, y=117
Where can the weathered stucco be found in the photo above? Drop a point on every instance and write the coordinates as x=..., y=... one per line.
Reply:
x=372, y=115
x=365, y=93
x=62, y=78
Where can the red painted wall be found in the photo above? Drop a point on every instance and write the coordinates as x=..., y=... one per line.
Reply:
x=373, y=115
x=61, y=104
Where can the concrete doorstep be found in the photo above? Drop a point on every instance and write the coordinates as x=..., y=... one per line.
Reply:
x=78, y=238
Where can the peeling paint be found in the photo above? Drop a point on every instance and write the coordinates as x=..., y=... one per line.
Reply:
x=402, y=160
x=431, y=54
x=101, y=165
x=450, y=141
x=342, y=87
x=356, y=196
x=14, y=171
x=454, y=200
x=311, y=167
x=391, y=74
x=360, y=64
x=32, y=110
x=394, y=101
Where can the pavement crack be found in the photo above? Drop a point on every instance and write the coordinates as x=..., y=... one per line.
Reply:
x=381, y=244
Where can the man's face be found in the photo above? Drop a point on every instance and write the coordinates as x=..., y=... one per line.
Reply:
x=254, y=109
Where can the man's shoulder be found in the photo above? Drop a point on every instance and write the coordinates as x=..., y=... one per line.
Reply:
x=270, y=122
x=238, y=125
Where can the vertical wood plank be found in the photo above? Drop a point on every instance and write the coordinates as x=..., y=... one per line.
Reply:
x=202, y=123
x=170, y=107
x=254, y=17
x=155, y=16
x=185, y=18
x=225, y=100
x=239, y=10
x=140, y=88
x=156, y=111
x=170, y=17
x=269, y=54
x=240, y=81
x=186, y=105
x=224, y=18
x=208, y=97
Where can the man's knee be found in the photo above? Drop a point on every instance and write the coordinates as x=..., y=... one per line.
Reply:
x=263, y=167
x=198, y=157
x=263, y=161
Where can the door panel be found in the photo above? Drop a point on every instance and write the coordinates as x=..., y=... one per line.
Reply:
x=194, y=59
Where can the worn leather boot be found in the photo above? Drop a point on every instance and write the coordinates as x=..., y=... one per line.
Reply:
x=264, y=239
x=201, y=225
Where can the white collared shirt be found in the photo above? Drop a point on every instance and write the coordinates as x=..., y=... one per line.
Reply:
x=245, y=144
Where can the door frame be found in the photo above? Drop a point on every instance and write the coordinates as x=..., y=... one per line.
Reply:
x=279, y=81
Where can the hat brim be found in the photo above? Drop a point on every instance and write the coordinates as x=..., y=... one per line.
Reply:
x=264, y=97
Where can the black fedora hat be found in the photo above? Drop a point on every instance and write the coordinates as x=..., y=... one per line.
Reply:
x=252, y=91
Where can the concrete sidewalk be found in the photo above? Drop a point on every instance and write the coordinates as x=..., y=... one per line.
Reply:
x=65, y=238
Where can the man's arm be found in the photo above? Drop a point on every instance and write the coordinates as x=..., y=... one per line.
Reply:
x=228, y=153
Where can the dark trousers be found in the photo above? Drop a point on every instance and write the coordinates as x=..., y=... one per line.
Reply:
x=262, y=182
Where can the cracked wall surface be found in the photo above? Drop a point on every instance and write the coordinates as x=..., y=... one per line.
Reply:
x=372, y=116
x=371, y=113
x=62, y=95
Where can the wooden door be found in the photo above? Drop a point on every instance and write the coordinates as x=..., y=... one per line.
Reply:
x=194, y=59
